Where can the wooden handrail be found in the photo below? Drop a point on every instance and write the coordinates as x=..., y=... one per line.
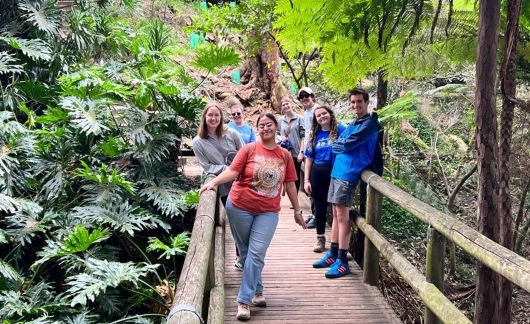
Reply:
x=501, y=260
x=200, y=272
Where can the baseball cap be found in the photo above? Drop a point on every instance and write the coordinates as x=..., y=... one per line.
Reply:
x=306, y=90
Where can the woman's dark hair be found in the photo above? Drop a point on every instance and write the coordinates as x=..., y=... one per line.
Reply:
x=268, y=115
x=315, y=126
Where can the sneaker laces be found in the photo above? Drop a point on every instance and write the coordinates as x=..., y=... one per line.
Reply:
x=244, y=306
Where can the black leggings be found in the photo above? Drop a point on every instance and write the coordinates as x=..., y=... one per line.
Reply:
x=320, y=178
x=297, y=167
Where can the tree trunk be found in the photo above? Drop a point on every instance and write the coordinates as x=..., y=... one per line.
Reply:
x=486, y=301
x=382, y=89
x=508, y=87
x=261, y=71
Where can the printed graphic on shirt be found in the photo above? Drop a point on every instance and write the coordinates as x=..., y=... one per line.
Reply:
x=267, y=176
x=322, y=142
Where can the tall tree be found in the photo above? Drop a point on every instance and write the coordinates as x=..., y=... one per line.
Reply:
x=487, y=282
x=508, y=89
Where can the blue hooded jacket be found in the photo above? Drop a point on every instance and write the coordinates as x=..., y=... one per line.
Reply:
x=354, y=149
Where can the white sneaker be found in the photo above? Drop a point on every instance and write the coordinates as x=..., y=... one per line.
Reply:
x=259, y=300
x=243, y=312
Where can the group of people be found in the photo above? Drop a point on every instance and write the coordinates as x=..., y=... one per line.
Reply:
x=251, y=175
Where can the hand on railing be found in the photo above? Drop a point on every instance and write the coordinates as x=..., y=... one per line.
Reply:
x=207, y=186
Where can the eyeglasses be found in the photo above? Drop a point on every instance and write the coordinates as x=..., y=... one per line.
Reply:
x=236, y=114
x=263, y=126
x=303, y=96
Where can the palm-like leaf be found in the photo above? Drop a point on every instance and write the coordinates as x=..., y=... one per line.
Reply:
x=8, y=64
x=212, y=57
x=102, y=274
x=105, y=176
x=28, y=221
x=165, y=197
x=37, y=300
x=8, y=204
x=36, y=49
x=42, y=14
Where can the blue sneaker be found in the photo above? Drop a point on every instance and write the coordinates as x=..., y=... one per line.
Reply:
x=338, y=269
x=327, y=260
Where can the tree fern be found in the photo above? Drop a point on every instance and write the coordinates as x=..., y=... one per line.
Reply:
x=100, y=275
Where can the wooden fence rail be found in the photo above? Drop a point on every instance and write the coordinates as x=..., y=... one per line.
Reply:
x=501, y=260
x=203, y=271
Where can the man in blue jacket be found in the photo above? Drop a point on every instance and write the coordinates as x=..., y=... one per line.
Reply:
x=354, y=152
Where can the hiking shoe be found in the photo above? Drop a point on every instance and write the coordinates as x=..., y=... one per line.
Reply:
x=237, y=265
x=338, y=269
x=259, y=300
x=327, y=260
x=320, y=245
x=243, y=312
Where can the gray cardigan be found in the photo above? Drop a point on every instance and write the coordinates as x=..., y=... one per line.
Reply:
x=211, y=159
x=296, y=132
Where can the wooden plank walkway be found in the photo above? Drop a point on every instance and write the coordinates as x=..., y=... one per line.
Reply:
x=297, y=293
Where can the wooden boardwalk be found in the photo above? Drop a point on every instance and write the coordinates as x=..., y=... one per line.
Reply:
x=297, y=293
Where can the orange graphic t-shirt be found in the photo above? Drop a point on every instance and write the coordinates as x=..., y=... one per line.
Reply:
x=262, y=174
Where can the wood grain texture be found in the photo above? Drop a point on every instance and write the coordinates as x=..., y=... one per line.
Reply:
x=298, y=293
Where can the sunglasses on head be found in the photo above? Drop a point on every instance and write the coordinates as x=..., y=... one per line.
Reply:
x=304, y=95
x=236, y=114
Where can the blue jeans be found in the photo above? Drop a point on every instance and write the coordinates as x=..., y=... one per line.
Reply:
x=253, y=234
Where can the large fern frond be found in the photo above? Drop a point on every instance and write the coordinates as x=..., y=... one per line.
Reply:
x=42, y=14
x=212, y=57
x=102, y=274
x=8, y=64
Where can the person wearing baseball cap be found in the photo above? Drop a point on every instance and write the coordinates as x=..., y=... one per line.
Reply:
x=306, y=97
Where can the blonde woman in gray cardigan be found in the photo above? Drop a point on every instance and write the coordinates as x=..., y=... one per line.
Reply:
x=216, y=145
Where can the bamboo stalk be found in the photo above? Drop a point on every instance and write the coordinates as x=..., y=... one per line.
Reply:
x=498, y=258
x=431, y=296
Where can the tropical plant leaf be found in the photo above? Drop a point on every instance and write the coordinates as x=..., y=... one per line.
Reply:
x=35, y=300
x=89, y=115
x=36, y=49
x=100, y=275
x=178, y=245
x=122, y=217
x=81, y=239
x=7, y=271
x=8, y=64
x=8, y=204
x=42, y=14
x=105, y=176
x=212, y=57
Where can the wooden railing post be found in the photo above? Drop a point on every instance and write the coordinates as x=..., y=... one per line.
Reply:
x=434, y=271
x=371, y=253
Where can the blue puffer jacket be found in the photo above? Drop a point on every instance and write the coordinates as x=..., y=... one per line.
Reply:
x=354, y=149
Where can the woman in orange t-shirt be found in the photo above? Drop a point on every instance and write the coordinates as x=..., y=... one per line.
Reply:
x=253, y=204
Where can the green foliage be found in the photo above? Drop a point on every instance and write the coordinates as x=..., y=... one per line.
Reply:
x=177, y=245
x=90, y=129
x=80, y=240
x=212, y=57
x=399, y=225
x=101, y=275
